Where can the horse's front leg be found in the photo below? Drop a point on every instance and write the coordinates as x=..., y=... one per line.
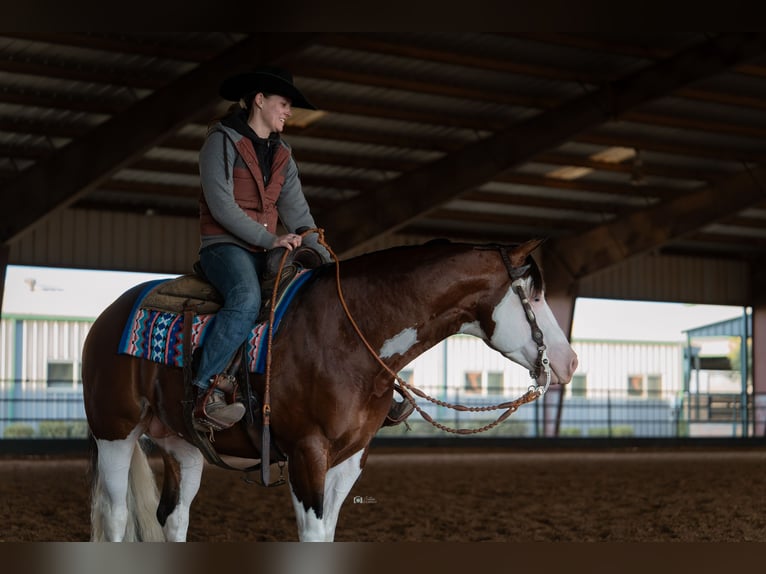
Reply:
x=318, y=492
x=177, y=496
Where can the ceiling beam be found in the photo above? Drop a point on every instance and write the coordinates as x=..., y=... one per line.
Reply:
x=415, y=193
x=39, y=65
x=606, y=187
x=394, y=46
x=604, y=207
x=588, y=42
x=82, y=165
x=688, y=123
x=415, y=85
x=584, y=254
x=648, y=168
x=687, y=148
x=197, y=50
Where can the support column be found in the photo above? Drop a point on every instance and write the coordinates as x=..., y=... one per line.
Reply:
x=759, y=348
x=4, y=254
x=561, y=293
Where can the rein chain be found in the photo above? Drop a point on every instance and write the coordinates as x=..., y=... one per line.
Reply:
x=534, y=392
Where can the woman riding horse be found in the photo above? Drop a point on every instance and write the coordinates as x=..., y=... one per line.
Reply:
x=249, y=179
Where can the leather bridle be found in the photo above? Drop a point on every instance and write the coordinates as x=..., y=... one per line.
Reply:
x=517, y=276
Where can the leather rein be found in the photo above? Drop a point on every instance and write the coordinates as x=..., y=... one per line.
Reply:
x=542, y=365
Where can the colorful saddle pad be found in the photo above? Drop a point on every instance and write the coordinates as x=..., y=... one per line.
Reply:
x=158, y=335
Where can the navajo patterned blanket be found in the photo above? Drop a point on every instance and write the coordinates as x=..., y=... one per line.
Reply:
x=158, y=335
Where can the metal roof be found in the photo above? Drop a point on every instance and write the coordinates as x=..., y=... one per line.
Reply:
x=728, y=328
x=457, y=135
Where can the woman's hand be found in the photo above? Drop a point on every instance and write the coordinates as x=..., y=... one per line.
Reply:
x=290, y=241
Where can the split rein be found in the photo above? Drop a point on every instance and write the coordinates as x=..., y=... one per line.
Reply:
x=534, y=392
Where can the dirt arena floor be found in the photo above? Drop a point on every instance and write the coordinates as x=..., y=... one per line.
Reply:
x=446, y=495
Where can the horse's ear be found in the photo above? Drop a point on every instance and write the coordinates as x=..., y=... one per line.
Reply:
x=520, y=253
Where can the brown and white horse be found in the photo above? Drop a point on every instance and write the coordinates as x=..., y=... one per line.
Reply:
x=329, y=394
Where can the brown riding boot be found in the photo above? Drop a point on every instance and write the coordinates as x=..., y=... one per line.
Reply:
x=212, y=409
x=398, y=412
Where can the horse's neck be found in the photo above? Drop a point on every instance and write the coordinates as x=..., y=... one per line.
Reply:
x=432, y=299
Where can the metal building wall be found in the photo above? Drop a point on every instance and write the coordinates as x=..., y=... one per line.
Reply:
x=46, y=341
x=673, y=279
x=7, y=350
x=89, y=239
x=28, y=344
x=443, y=368
x=608, y=364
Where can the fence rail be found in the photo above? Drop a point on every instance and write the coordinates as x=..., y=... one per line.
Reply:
x=54, y=413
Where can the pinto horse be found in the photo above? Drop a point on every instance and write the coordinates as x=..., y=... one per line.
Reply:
x=328, y=394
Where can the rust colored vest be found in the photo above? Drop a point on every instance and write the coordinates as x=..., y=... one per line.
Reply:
x=257, y=201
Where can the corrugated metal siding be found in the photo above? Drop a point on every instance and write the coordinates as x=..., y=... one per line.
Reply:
x=442, y=369
x=672, y=278
x=608, y=364
x=46, y=341
x=43, y=340
x=109, y=240
x=467, y=354
x=7, y=349
x=92, y=239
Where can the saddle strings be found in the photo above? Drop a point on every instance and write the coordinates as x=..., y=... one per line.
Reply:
x=510, y=407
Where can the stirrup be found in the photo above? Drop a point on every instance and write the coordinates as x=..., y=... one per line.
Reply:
x=222, y=391
x=398, y=412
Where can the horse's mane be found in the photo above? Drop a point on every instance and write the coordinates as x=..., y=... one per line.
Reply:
x=537, y=284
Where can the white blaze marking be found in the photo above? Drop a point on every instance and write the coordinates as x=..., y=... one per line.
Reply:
x=506, y=338
x=399, y=344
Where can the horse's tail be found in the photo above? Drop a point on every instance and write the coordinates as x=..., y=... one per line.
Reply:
x=142, y=500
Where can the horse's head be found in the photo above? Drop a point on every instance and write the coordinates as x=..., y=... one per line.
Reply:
x=517, y=321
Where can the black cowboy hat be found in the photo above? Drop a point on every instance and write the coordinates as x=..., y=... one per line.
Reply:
x=266, y=79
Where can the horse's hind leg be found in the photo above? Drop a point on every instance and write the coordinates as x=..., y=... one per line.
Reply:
x=109, y=511
x=183, y=471
x=317, y=502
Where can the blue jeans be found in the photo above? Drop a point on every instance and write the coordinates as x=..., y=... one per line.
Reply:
x=234, y=272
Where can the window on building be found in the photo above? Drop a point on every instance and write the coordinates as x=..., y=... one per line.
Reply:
x=60, y=374
x=472, y=382
x=635, y=385
x=579, y=385
x=495, y=383
x=654, y=386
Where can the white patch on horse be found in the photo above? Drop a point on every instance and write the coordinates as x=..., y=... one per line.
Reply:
x=338, y=483
x=508, y=337
x=399, y=344
x=111, y=510
x=472, y=328
x=191, y=464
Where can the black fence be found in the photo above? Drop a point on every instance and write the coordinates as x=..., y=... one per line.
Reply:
x=45, y=414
